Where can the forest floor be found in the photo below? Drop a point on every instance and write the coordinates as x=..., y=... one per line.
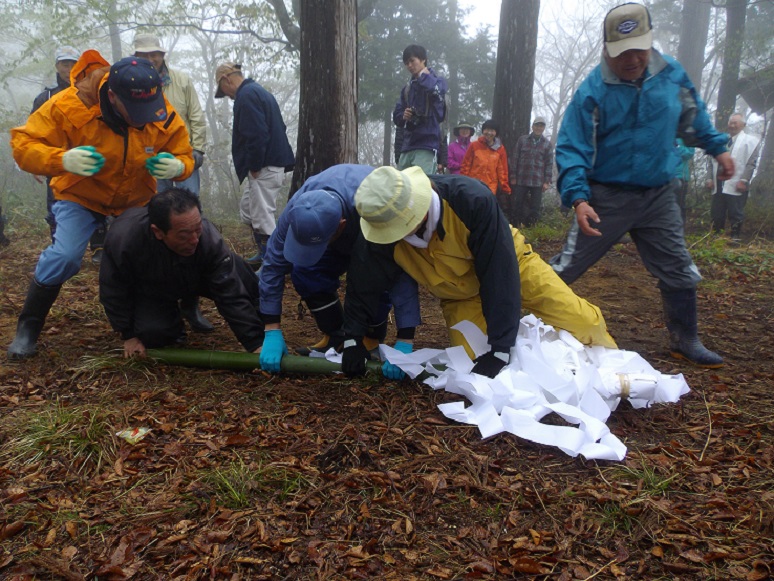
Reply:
x=252, y=476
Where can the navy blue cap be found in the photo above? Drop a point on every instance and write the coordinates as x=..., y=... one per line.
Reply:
x=136, y=82
x=314, y=218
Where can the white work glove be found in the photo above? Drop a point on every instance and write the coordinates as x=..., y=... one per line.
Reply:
x=83, y=160
x=164, y=166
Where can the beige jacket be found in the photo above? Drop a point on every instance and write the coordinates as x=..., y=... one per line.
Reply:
x=181, y=94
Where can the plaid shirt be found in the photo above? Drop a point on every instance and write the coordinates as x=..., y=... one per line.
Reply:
x=532, y=162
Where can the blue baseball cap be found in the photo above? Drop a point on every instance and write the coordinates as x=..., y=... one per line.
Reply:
x=314, y=218
x=135, y=81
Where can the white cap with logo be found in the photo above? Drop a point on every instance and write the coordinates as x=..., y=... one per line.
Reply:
x=628, y=27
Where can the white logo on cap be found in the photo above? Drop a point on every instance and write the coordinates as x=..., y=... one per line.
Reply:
x=627, y=26
x=315, y=239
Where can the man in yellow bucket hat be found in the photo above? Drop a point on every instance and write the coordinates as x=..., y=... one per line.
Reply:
x=450, y=236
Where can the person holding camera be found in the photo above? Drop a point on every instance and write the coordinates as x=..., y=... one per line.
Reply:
x=420, y=111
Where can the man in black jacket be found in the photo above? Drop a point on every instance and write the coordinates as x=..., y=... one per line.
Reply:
x=260, y=150
x=164, y=252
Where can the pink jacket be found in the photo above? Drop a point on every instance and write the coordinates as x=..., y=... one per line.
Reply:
x=456, y=154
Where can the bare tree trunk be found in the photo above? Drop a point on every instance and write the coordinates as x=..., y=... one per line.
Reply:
x=516, y=49
x=694, y=32
x=114, y=31
x=763, y=184
x=327, y=124
x=387, y=149
x=454, y=76
x=736, y=11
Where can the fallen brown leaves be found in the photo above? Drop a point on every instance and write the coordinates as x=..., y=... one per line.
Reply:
x=249, y=477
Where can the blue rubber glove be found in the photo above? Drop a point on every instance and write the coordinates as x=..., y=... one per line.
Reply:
x=273, y=349
x=164, y=166
x=391, y=371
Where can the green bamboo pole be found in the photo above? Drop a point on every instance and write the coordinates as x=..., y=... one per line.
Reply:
x=247, y=361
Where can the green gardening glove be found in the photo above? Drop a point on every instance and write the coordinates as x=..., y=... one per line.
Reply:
x=83, y=160
x=164, y=166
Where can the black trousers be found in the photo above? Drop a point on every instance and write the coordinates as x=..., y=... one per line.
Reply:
x=158, y=321
x=528, y=201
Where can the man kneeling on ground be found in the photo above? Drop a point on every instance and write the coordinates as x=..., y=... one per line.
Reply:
x=451, y=237
x=164, y=252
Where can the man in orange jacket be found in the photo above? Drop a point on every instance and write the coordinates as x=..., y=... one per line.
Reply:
x=104, y=141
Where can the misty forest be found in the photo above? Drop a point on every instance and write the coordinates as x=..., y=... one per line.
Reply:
x=243, y=474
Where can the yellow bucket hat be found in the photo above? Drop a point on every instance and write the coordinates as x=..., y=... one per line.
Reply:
x=392, y=203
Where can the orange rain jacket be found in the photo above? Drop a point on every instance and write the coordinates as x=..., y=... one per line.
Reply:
x=488, y=164
x=72, y=118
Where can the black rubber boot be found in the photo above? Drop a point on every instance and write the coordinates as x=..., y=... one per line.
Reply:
x=97, y=243
x=329, y=316
x=31, y=320
x=256, y=260
x=680, y=314
x=189, y=308
x=4, y=240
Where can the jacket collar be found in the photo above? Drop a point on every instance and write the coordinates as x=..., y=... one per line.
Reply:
x=242, y=86
x=655, y=66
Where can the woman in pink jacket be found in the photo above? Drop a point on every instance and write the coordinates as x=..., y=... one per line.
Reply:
x=462, y=133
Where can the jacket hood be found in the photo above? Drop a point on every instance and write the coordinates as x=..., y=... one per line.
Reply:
x=88, y=74
x=496, y=145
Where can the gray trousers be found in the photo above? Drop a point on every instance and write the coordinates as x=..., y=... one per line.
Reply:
x=728, y=205
x=652, y=218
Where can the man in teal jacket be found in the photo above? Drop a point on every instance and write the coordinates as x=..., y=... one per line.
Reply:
x=617, y=159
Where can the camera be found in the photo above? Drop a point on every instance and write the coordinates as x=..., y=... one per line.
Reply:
x=416, y=118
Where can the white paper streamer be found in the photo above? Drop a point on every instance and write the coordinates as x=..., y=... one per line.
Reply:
x=550, y=372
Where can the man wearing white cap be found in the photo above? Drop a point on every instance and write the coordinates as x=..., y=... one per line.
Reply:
x=180, y=92
x=65, y=58
x=616, y=159
x=450, y=236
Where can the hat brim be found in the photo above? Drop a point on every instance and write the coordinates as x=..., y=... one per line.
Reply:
x=387, y=233
x=219, y=94
x=148, y=112
x=303, y=255
x=148, y=49
x=456, y=130
x=642, y=42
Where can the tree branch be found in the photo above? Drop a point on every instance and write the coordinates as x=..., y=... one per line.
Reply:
x=291, y=29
